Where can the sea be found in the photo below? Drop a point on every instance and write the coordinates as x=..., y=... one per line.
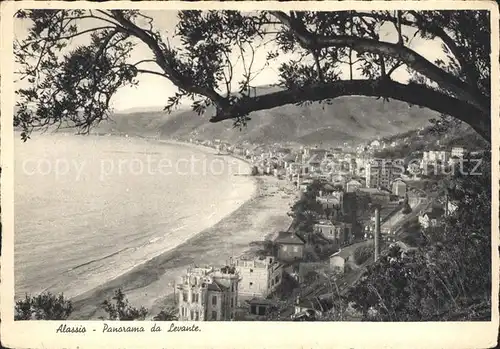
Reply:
x=90, y=208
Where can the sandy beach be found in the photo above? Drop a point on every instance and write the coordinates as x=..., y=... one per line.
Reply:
x=152, y=284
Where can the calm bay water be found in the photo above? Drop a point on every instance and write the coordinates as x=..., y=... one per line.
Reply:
x=90, y=208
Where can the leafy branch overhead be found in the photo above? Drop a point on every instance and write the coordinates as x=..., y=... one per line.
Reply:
x=72, y=85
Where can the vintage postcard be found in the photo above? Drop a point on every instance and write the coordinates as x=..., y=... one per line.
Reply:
x=249, y=174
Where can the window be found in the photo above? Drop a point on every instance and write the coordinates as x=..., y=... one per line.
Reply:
x=192, y=315
x=262, y=311
x=272, y=282
x=214, y=315
x=232, y=302
x=196, y=297
x=251, y=270
x=214, y=300
x=253, y=309
x=295, y=249
x=185, y=296
x=284, y=248
x=277, y=278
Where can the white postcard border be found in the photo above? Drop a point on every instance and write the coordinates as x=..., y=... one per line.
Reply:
x=42, y=334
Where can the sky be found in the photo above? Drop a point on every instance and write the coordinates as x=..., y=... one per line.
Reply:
x=153, y=91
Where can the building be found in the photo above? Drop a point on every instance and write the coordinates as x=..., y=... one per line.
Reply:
x=436, y=156
x=352, y=186
x=259, y=276
x=259, y=306
x=431, y=217
x=458, y=152
x=208, y=294
x=338, y=261
x=381, y=173
x=290, y=247
x=339, y=232
x=399, y=188
x=331, y=200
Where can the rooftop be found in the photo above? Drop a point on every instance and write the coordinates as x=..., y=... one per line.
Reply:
x=260, y=301
x=285, y=237
x=342, y=254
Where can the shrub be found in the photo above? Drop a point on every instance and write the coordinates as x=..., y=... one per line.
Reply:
x=121, y=310
x=45, y=306
x=166, y=315
x=362, y=254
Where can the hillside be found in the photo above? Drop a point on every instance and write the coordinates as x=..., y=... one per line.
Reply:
x=412, y=143
x=345, y=119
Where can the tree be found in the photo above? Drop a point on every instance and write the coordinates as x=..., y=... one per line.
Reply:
x=45, y=306
x=406, y=206
x=72, y=86
x=120, y=309
x=166, y=315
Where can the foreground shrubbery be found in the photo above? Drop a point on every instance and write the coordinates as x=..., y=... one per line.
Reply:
x=45, y=306
x=48, y=306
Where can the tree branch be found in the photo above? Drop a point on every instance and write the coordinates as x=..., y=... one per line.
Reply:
x=174, y=76
x=412, y=93
x=411, y=58
x=145, y=71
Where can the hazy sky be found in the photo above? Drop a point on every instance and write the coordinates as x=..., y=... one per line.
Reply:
x=155, y=90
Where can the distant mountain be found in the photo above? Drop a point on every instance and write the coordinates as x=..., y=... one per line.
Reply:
x=345, y=119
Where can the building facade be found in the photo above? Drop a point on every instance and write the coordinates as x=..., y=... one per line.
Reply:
x=457, y=152
x=381, y=173
x=289, y=247
x=259, y=277
x=353, y=186
x=339, y=232
x=399, y=188
x=208, y=294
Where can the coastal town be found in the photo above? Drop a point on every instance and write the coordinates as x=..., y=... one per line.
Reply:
x=346, y=174
x=363, y=205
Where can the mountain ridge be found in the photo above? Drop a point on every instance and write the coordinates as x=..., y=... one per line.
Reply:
x=345, y=119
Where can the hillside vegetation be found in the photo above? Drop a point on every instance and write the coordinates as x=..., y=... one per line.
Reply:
x=351, y=119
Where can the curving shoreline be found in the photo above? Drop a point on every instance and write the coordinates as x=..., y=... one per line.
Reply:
x=151, y=284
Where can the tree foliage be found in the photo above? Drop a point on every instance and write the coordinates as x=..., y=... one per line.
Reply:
x=307, y=209
x=45, y=306
x=120, y=309
x=72, y=86
x=166, y=315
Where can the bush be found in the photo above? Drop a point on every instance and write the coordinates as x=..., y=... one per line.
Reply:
x=121, y=310
x=362, y=254
x=166, y=315
x=45, y=306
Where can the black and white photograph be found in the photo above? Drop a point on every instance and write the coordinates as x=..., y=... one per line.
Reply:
x=267, y=164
